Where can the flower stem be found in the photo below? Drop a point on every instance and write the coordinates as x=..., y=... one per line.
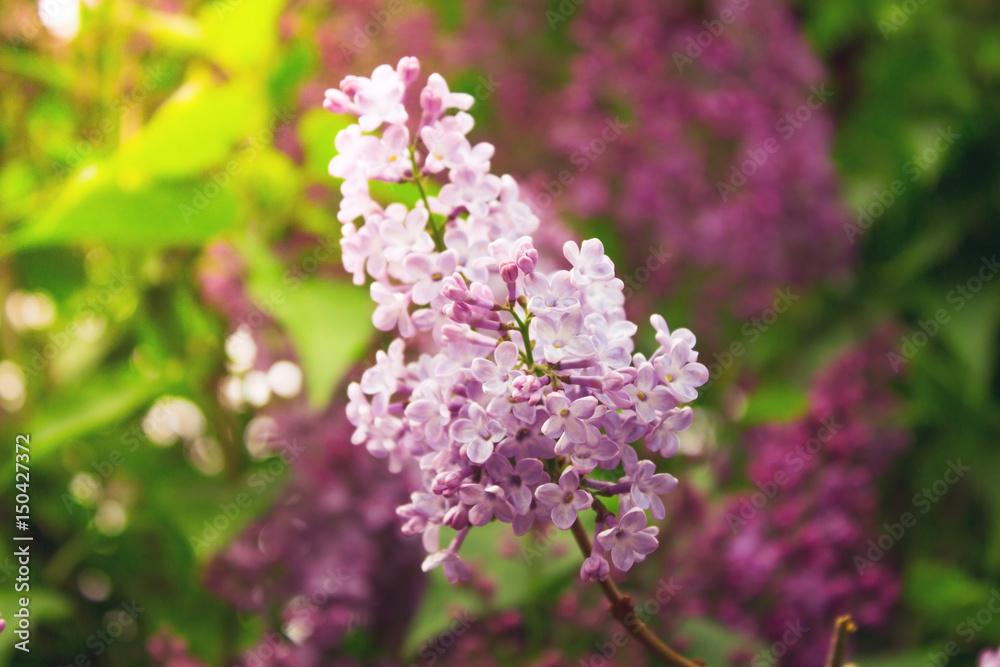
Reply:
x=843, y=627
x=522, y=326
x=437, y=233
x=621, y=607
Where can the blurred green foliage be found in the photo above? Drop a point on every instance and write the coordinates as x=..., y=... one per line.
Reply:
x=128, y=149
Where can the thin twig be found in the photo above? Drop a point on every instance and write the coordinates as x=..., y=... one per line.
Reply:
x=622, y=608
x=843, y=627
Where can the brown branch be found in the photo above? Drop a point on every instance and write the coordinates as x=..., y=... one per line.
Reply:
x=621, y=607
x=843, y=627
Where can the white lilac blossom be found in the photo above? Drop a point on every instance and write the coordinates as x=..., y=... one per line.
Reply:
x=508, y=383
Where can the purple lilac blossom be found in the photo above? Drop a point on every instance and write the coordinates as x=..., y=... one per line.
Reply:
x=563, y=358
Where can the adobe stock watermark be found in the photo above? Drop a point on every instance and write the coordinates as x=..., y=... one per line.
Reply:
x=914, y=168
x=363, y=35
x=923, y=500
x=545, y=539
x=96, y=135
x=263, y=309
x=581, y=158
x=666, y=590
x=562, y=13
x=263, y=653
x=656, y=259
x=87, y=314
x=751, y=331
x=958, y=297
x=786, y=127
x=771, y=655
x=433, y=649
x=304, y=606
x=221, y=178
x=48, y=11
x=101, y=641
x=714, y=28
x=224, y=7
x=91, y=481
x=967, y=629
x=795, y=461
x=899, y=16
x=258, y=481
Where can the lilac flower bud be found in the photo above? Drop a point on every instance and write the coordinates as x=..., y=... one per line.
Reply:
x=613, y=381
x=408, y=69
x=453, y=334
x=447, y=483
x=526, y=259
x=593, y=382
x=455, y=289
x=457, y=517
x=594, y=569
x=459, y=311
x=336, y=101
x=509, y=272
x=431, y=102
x=525, y=386
x=350, y=84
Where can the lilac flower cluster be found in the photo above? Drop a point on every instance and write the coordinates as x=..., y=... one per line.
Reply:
x=522, y=380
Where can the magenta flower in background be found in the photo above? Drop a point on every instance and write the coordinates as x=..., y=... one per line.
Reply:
x=788, y=551
x=327, y=558
x=989, y=658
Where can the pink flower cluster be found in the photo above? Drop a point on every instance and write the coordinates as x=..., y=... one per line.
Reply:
x=520, y=381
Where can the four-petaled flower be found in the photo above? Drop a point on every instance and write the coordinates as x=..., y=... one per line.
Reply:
x=486, y=503
x=478, y=431
x=648, y=395
x=566, y=339
x=565, y=498
x=681, y=376
x=589, y=262
x=570, y=417
x=517, y=481
x=630, y=540
x=648, y=486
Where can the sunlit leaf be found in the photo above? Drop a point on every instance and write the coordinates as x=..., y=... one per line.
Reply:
x=193, y=131
x=239, y=34
x=102, y=209
x=329, y=322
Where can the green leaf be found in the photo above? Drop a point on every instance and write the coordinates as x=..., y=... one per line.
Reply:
x=241, y=35
x=712, y=642
x=329, y=322
x=526, y=575
x=911, y=659
x=98, y=208
x=779, y=402
x=47, y=606
x=192, y=131
x=942, y=593
x=101, y=402
x=923, y=251
x=318, y=131
x=210, y=514
x=971, y=334
x=330, y=325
